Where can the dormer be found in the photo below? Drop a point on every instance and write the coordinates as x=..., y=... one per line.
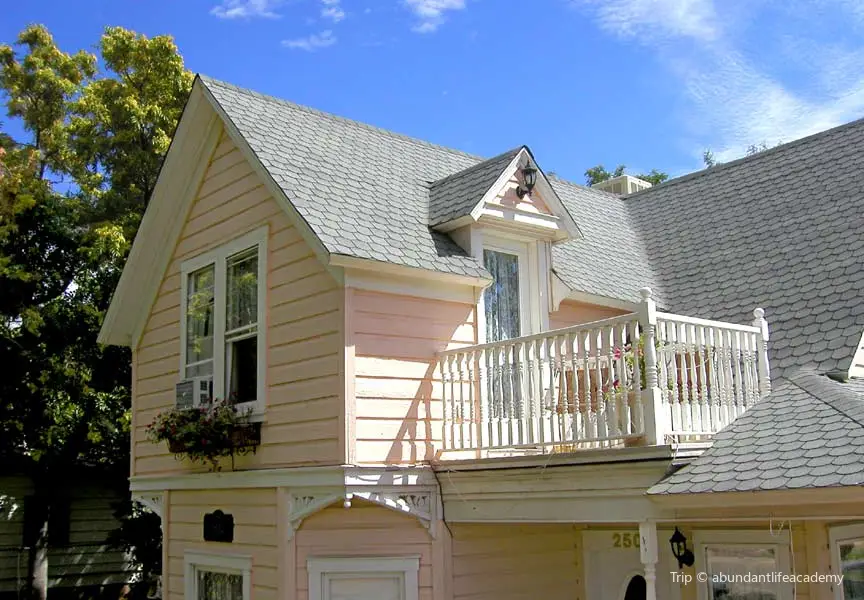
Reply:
x=509, y=193
x=506, y=214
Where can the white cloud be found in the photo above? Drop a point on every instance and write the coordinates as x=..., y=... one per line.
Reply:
x=246, y=9
x=311, y=43
x=649, y=19
x=735, y=94
x=430, y=13
x=331, y=10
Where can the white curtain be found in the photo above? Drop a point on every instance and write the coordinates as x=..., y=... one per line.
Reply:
x=501, y=304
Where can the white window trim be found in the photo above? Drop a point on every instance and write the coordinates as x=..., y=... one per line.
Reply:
x=408, y=566
x=762, y=539
x=218, y=562
x=533, y=280
x=219, y=256
x=842, y=533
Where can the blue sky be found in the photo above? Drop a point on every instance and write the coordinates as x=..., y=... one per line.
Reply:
x=648, y=83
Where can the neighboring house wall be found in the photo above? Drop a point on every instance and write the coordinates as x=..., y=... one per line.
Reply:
x=304, y=327
x=398, y=402
x=87, y=560
x=516, y=562
x=574, y=313
x=255, y=534
x=13, y=563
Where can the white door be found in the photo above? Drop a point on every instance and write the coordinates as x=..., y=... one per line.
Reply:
x=364, y=586
x=613, y=567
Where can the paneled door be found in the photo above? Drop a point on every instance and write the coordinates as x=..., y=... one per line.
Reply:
x=614, y=571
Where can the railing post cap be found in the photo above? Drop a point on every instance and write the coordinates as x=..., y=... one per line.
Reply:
x=646, y=293
x=759, y=313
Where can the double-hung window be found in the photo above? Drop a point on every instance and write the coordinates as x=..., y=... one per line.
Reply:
x=223, y=299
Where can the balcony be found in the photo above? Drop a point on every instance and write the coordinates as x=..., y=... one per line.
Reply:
x=644, y=378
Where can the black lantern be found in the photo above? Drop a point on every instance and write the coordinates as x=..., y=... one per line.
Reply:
x=685, y=557
x=529, y=178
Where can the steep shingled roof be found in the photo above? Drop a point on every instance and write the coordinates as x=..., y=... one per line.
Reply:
x=781, y=229
x=784, y=230
x=808, y=433
x=364, y=191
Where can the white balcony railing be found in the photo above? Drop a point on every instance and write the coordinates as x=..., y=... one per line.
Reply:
x=634, y=379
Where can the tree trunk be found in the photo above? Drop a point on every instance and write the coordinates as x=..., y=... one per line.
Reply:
x=36, y=513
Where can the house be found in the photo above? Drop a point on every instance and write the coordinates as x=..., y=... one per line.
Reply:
x=475, y=380
x=80, y=559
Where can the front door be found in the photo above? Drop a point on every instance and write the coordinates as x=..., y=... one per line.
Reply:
x=614, y=570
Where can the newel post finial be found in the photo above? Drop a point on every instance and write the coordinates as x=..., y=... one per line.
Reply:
x=762, y=341
x=656, y=423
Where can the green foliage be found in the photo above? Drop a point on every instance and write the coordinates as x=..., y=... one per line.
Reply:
x=598, y=174
x=204, y=434
x=72, y=192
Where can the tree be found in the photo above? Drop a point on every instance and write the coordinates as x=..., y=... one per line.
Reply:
x=599, y=173
x=72, y=193
x=709, y=160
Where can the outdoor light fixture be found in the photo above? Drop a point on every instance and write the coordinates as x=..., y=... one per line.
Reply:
x=685, y=557
x=529, y=178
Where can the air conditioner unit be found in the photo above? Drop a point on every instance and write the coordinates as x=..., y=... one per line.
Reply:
x=194, y=391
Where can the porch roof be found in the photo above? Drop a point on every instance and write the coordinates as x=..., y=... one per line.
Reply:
x=808, y=433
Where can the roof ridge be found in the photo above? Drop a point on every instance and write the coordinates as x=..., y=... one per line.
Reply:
x=762, y=154
x=794, y=380
x=314, y=111
x=478, y=165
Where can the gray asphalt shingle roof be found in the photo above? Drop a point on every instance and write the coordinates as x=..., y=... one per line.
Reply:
x=781, y=229
x=456, y=195
x=808, y=433
x=784, y=230
x=364, y=191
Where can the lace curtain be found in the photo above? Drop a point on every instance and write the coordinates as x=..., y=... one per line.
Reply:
x=501, y=299
x=213, y=585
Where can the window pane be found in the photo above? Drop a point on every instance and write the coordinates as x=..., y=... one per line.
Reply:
x=242, y=300
x=501, y=299
x=852, y=565
x=199, y=320
x=733, y=564
x=219, y=586
x=242, y=356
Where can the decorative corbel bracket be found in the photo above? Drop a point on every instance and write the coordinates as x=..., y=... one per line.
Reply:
x=154, y=501
x=418, y=503
x=304, y=505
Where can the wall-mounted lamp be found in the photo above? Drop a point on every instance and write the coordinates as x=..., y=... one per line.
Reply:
x=685, y=557
x=529, y=178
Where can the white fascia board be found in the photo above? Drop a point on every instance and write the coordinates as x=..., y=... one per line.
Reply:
x=196, y=137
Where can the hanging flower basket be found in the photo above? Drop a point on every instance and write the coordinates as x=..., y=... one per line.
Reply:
x=207, y=433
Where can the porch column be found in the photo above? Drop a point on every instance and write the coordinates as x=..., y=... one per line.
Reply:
x=648, y=555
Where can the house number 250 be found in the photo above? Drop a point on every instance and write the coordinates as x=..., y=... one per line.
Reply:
x=625, y=540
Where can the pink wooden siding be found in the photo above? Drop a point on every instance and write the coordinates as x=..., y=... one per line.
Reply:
x=304, y=327
x=516, y=562
x=575, y=313
x=398, y=402
x=255, y=535
x=362, y=530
